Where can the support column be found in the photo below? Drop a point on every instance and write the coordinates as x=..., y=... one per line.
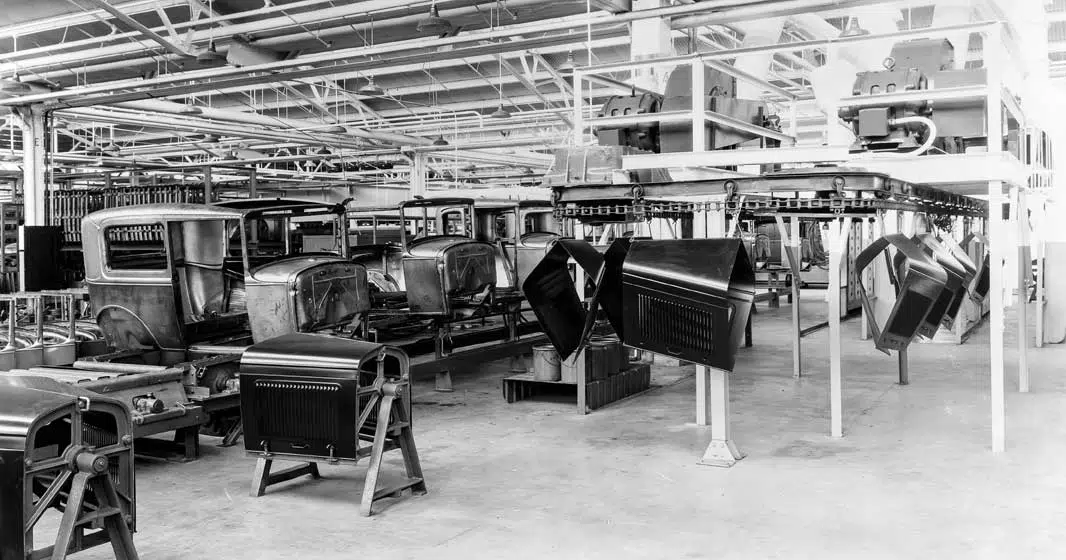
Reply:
x=838, y=242
x=869, y=233
x=722, y=451
x=253, y=183
x=792, y=246
x=650, y=38
x=1024, y=273
x=1041, y=247
x=418, y=174
x=34, y=185
x=996, y=250
x=711, y=226
x=699, y=127
x=209, y=189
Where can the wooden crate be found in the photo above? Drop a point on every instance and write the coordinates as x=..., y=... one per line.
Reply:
x=635, y=379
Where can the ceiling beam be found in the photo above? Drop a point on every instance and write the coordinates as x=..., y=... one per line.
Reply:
x=548, y=104
x=613, y=6
x=143, y=29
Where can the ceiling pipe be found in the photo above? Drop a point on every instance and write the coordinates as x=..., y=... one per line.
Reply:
x=334, y=18
x=777, y=8
x=328, y=15
x=155, y=120
x=211, y=113
x=475, y=37
x=83, y=17
x=51, y=24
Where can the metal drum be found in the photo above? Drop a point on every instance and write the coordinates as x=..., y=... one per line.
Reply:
x=546, y=363
x=611, y=363
x=595, y=362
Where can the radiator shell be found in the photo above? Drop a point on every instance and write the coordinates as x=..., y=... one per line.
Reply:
x=301, y=394
x=688, y=298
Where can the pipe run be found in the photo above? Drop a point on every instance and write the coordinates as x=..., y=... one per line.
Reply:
x=205, y=112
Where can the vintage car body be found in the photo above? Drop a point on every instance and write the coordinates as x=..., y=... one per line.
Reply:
x=445, y=267
x=439, y=271
x=161, y=277
x=298, y=293
x=305, y=294
x=156, y=276
x=521, y=232
x=378, y=247
x=442, y=268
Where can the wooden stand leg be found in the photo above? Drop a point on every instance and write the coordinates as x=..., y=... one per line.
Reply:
x=260, y=476
x=233, y=435
x=444, y=382
x=189, y=439
x=372, y=471
x=411, y=463
x=117, y=529
x=722, y=451
x=70, y=516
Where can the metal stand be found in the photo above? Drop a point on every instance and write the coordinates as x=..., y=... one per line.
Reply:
x=713, y=391
x=92, y=475
x=444, y=376
x=391, y=431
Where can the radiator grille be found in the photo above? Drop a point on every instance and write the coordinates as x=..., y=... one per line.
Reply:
x=675, y=324
x=298, y=409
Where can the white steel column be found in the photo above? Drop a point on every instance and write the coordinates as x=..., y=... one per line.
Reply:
x=792, y=248
x=418, y=174
x=869, y=233
x=650, y=38
x=34, y=184
x=579, y=109
x=838, y=241
x=699, y=127
x=722, y=451
x=994, y=105
x=1024, y=273
x=713, y=226
x=1041, y=247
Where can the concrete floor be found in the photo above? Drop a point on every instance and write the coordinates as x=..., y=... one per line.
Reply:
x=913, y=477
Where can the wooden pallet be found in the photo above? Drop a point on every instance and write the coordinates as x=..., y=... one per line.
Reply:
x=599, y=393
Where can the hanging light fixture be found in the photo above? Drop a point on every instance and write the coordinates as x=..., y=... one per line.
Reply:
x=210, y=54
x=568, y=65
x=500, y=113
x=433, y=24
x=853, y=29
x=370, y=88
x=440, y=141
x=469, y=168
x=190, y=110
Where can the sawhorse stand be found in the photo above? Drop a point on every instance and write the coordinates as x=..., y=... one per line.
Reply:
x=391, y=431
